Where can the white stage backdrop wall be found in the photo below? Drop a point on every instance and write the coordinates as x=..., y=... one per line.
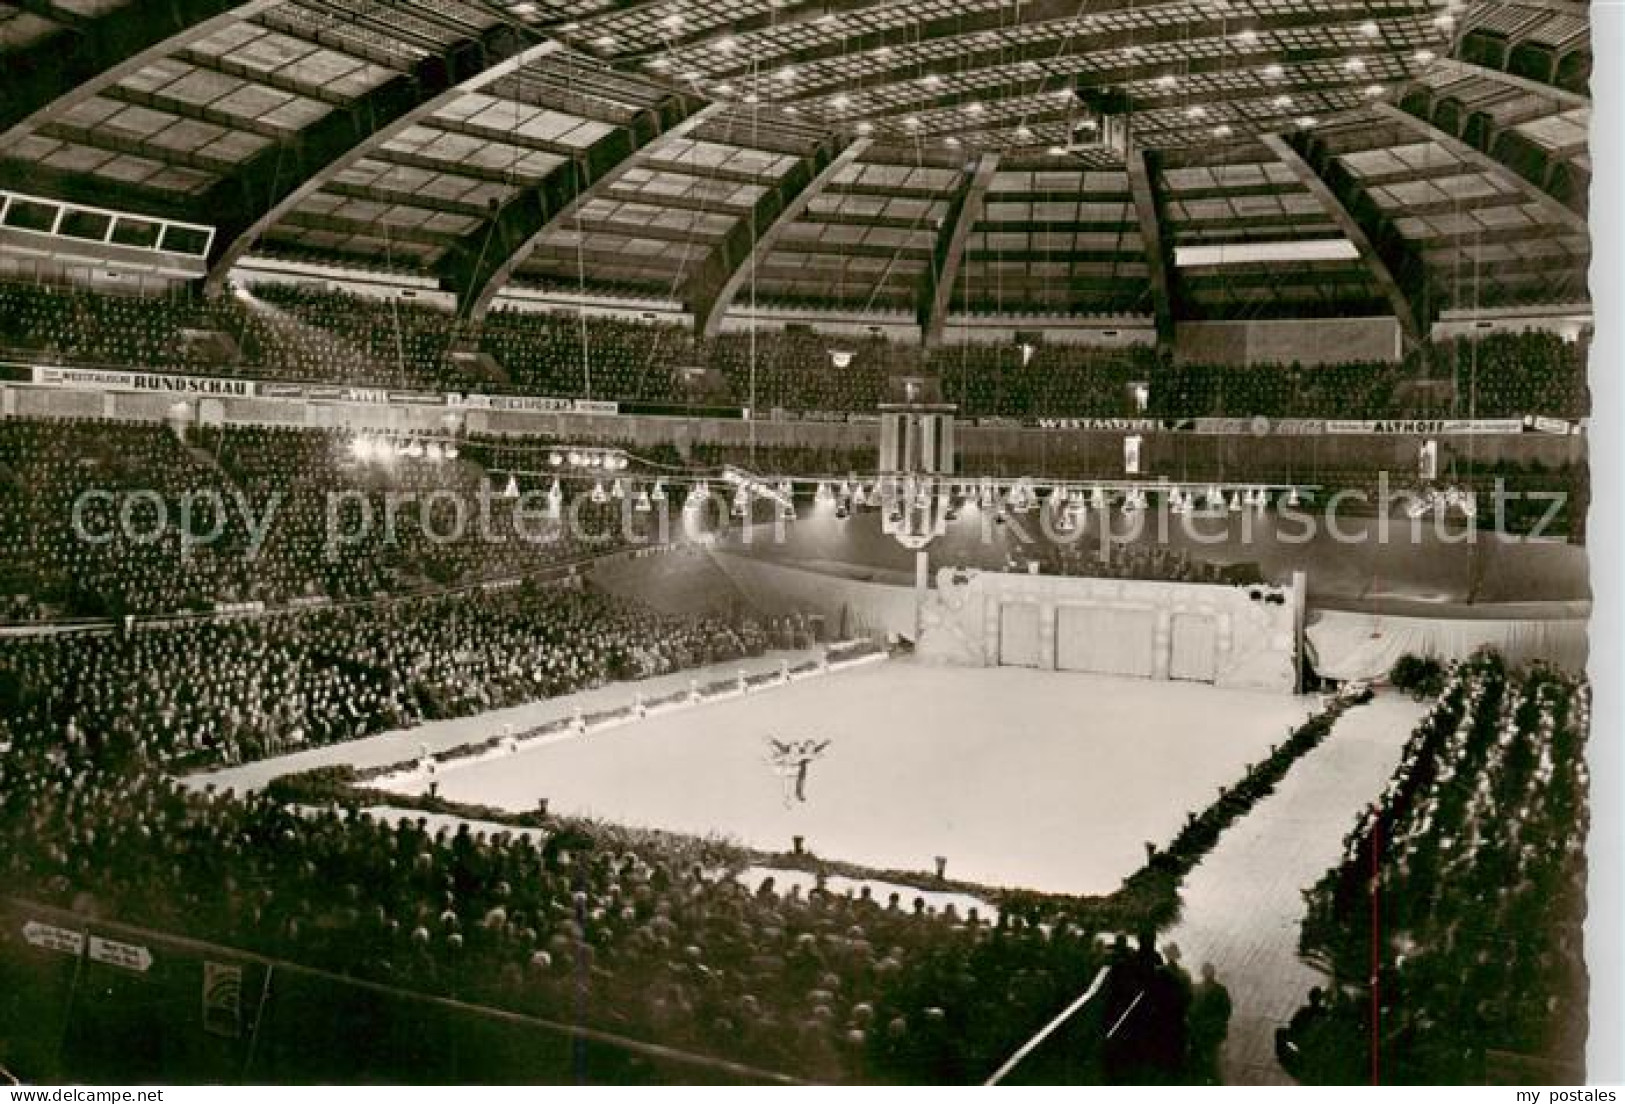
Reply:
x=1230, y=636
x=1365, y=645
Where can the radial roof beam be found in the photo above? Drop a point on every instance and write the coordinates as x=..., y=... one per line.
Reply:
x=943, y=273
x=709, y=309
x=1554, y=209
x=267, y=191
x=481, y=266
x=1383, y=276
x=67, y=69
x=1157, y=254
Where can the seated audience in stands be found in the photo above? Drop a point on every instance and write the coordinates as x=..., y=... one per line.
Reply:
x=223, y=691
x=284, y=331
x=645, y=935
x=93, y=519
x=1478, y=901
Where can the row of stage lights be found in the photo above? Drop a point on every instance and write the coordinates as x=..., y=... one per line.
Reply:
x=899, y=493
x=371, y=449
x=589, y=458
x=746, y=490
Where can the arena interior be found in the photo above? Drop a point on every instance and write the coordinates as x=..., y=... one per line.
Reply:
x=777, y=541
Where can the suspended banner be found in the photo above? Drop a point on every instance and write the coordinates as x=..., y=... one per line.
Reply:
x=98, y=379
x=373, y=395
x=416, y=398
x=1430, y=426
x=1124, y=425
x=1259, y=426
x=822, y=417
x=1558, y=427
x=51, y=937
x=533, y=404
x=126, y=956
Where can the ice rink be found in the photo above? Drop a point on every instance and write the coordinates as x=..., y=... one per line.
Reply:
x=1020, y=778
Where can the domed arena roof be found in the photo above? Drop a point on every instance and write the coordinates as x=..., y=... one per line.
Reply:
x=1150, y=160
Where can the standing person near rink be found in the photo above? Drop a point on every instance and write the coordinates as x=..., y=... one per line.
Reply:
x=791, y=759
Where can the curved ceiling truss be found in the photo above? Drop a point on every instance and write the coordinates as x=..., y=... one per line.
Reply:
x=1148, y=161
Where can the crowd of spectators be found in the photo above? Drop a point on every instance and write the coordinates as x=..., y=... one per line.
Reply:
x=1467, y=879
x=94, y=520
x=557, y=353
x=321, y=334
x=641, y=934
x=806, y=371
x=1496, y=376
x=1045, y=381
x=310, y=333
x=649, y=938
x=1522, y=373
x=225, y=691
x=1151, y=563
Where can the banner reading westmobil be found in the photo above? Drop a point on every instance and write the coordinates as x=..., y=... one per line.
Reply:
x=98, y=379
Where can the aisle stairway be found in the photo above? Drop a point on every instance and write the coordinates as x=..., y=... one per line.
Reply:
x=1243, y=905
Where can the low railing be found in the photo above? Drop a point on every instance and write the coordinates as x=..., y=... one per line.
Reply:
x=88, y=999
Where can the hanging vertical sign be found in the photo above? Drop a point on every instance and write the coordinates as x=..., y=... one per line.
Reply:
x=1131, y=454
x=1428, y=460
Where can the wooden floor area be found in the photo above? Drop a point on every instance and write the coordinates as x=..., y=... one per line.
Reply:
x=1243, y=905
